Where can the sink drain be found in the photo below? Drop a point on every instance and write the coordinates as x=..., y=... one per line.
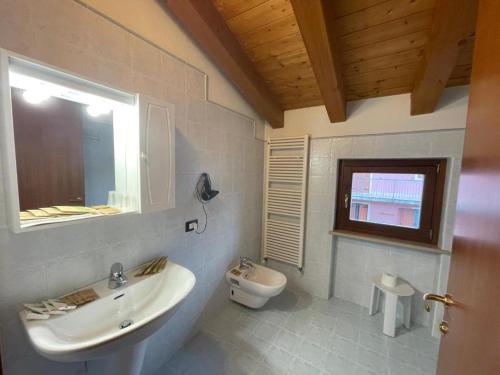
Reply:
x=125, y=324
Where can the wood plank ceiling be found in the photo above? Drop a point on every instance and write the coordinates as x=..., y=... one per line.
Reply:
x=381, y=44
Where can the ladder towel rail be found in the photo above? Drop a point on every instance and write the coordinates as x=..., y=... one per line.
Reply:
x=285, y=198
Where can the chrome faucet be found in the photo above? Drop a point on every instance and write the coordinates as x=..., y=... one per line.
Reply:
x=245, y=263
x=116, y=276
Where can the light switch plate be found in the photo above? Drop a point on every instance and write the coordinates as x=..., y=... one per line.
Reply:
x=191, y=225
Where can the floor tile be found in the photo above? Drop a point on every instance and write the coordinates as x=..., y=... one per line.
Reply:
x=299, y=321
x=402, y=354
x=345, y=348
x=255, y=347
x=348, y=331
x=324, y=321
x=373, y=361
x=311, y=353
x=243, y=364
x=301, y=367
x=266, y=331
x=336, y=364
x=279, y=360
x=374, y=342
x=287, y=340
x=427, y=364
x=398, y=368
x=296, y=333
x=319, y=336
x=426, y=347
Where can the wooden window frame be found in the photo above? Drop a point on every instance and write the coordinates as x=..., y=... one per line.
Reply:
x=434, y=171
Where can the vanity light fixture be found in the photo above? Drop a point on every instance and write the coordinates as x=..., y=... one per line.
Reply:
x=96, y=110
x=35, y=95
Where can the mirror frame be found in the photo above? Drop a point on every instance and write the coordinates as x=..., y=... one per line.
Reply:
x=131, y=163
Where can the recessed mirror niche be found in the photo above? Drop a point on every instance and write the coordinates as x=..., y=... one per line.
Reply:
x=75, y=144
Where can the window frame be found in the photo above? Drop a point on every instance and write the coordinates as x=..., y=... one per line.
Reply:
x=434, y=171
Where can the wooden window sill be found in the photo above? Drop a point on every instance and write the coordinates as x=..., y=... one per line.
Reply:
x=390, y=241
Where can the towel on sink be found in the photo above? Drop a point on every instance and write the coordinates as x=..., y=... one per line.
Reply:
x=155, y=266
x=80, y=297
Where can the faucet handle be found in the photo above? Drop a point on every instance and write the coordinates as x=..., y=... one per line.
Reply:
x=116, y=269
x=116, y=276
x=246, y=261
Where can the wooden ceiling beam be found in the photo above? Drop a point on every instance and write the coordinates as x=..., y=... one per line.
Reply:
x=207, y=27
x=452, y=24
x=314, y=20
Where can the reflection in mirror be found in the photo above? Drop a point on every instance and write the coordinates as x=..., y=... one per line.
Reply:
x=99, y=158
x=64, y=155
x=71, y=148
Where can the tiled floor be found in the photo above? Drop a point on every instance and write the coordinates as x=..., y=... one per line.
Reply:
x=299, y=334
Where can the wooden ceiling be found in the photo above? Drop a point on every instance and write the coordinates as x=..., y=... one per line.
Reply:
x=376, y=47
x=381, y=43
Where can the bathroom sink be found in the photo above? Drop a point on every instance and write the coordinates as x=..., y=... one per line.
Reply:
x=119, y=319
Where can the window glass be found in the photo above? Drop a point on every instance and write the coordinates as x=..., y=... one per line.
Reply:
x=387, y=198
x=400, y=198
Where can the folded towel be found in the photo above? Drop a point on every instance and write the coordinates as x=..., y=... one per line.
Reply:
x=43, y=310
x=155, y=266
x=81, y=297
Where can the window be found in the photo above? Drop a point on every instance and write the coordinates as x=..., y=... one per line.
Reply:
x=391, y=198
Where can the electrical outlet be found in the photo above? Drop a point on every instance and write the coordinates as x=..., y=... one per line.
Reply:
x=191, y=225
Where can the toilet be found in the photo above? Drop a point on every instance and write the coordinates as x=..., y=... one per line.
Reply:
x=254, y=286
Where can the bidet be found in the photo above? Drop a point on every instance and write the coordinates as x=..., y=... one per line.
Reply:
x=252, y=285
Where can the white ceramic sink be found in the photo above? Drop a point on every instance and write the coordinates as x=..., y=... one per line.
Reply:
x=93, y=331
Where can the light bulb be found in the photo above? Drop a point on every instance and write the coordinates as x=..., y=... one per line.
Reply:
x=35, y=96
x=96, y=110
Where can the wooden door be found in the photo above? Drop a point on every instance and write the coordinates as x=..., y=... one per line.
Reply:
x=49, y=152
x=472, y=345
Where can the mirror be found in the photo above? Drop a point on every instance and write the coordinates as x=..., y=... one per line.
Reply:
x=75, y=143
x=64, y=154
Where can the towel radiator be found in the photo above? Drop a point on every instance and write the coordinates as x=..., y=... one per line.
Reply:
x=285, y=199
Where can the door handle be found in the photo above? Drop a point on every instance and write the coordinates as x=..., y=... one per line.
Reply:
x=446, y=300
x=346, y=200
x=77, y=199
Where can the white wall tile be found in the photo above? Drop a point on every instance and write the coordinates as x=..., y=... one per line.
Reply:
x=47, y=263
x=356, y=262
x=195, y=84
x=319, y=166
x=174, y=72
x=321, y=147
x=67, y=274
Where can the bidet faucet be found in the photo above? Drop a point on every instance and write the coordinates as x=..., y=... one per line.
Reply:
x=245, y=263
x=116, y=276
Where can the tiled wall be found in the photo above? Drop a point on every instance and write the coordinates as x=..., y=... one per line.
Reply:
x=46, y=263
x=344, y=267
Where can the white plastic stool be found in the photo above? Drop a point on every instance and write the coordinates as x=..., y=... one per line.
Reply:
x=403, y=291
